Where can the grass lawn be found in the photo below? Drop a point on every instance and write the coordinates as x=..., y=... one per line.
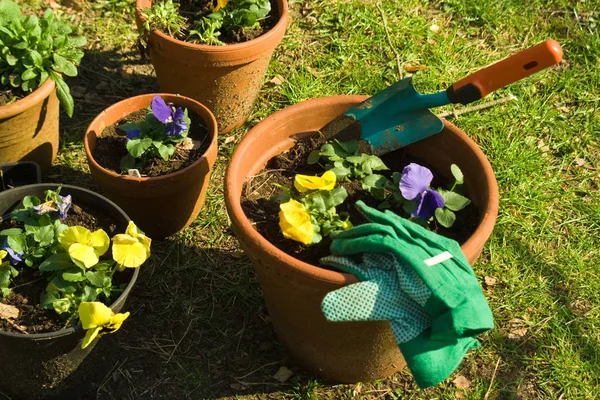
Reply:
x=199, y=327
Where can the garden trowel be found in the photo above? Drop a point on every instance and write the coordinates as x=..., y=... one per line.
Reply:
x=399, y=115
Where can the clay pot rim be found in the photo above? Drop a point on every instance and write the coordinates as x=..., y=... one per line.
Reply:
x=211, y=125
x=271, y=34
x=29, y=101
x=489, y=211
x=120, y=299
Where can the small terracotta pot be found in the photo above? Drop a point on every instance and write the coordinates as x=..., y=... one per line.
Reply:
x=162, y=205
x=343, y=351
x=29, y=128
x=226, y=79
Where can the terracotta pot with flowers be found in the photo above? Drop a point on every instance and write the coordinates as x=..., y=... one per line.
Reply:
x=34, y=55
x=153, y=155
x=285, y=236
x=217, y=54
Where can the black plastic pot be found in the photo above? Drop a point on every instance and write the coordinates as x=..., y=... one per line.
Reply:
x=19, y=174
x=53, y=365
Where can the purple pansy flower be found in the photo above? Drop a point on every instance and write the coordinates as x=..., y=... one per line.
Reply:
x=63, y=205
x=174, y=121
x=15, y=257
x=133, y=133
x=414, y=184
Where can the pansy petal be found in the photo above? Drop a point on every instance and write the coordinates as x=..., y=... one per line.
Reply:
x=180, y=127
x=430, y=201
x=128, y=252
x=89, y=337
x=2, y=254
x=100, y=242
x=117, y=320
x=64, y=205
x=74, y=234
x=93, y=314
x=83, y=255
x=415, y=180
x=133, y=133
x=134, y=231
x=302, y=183
x=295, y=223
x=179, y=114
x=161, y=110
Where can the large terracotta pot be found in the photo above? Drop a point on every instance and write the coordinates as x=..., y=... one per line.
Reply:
x=343, y=351
x=226, y=79
x=53, y=365
x=29, y=128
x=162, y=205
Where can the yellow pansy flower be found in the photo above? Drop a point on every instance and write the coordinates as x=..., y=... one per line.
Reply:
x=94, y=317
x=302, y=183
x=220, y=4
x=83, y=246
x=132, y=248
x=3, y=254
x=294, y=222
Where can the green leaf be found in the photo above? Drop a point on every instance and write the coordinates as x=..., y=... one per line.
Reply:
x=64, y=94
x=163, y=151
x=37, y=59
x=9, y=11
x=457, y=173
x=96, y=278
x=74, y=275
x=31, y=201
x=89, y=294
x=56, y=262
x=61, y=305
x=64, y=66
x=11, y=231
x=340, y=171
x=77, y=41
x=454, y=201
x=48, y=299
x=17, y=243
x=44, y=235
x=4, y=276
x=129, y=126
x=313, y=157
x=338, y=195
x=137, y=147
x=63, y=285
x=375, y=184
x=445, y=217
x=127, y=163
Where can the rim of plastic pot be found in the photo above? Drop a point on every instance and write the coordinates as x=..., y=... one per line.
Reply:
x=200, y=109
x=121, y=298
x=259, y=41
x=488, y=212
x=27, y=102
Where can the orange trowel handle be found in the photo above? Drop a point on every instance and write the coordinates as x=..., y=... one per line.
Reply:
x=505, y=72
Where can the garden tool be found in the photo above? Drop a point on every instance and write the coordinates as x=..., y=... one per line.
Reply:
x=410, y=276
x=399, y=115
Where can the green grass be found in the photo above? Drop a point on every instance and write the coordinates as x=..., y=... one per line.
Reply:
x=200, y=328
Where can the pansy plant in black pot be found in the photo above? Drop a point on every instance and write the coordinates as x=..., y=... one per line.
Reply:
x=77, y=265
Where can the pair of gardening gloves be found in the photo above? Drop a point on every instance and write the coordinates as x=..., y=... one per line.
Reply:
x=419, y=281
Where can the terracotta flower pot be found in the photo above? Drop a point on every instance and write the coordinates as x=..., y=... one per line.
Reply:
x=162, y=205
x=53, y=365
x=29, y=128
x=226, y=79
x=343, y=351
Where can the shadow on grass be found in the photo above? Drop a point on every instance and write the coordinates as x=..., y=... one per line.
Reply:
x=198, y=329
x=105, y=77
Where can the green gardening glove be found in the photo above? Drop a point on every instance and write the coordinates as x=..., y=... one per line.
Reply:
x=455, y=301
x=377, y=297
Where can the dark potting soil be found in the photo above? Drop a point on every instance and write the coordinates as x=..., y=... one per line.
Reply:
x=195, y=10
x=28, y=287
x=263, y=212
x=110, y=147
x=9, y=96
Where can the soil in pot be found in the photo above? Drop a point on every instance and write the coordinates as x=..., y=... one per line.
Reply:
x=263, y=212
x=196, y=10
x=7, y=96
x=110, y=147
x=29, y=285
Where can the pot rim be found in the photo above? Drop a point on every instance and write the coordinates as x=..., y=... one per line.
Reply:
x=121, y=298
x=211, y=125
x=488, y=212
x=29, y=101
x=229, y=48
